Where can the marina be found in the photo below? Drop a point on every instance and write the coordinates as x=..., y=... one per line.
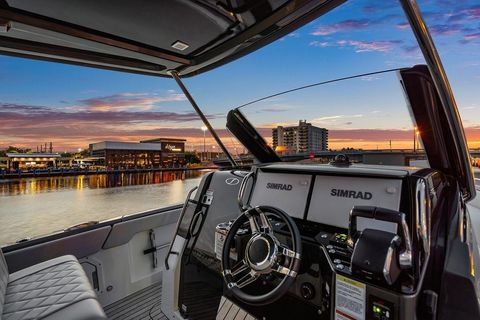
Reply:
x=34, y=210
x=217, y=159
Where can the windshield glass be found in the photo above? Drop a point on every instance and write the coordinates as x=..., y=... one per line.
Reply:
x=358, y=37
x=348, y=115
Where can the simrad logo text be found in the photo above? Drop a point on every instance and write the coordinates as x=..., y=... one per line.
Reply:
x=364, y=195
x=279, y=186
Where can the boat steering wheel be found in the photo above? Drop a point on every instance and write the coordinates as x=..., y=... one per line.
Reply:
x=263, y=255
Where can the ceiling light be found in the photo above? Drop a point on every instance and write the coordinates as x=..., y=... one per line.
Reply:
x=179, y=45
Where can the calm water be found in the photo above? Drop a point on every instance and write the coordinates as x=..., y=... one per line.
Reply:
x=32, y=207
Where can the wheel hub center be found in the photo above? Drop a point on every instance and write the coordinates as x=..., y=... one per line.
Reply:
x=260, y=252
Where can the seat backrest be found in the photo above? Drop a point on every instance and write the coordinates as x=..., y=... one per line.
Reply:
x=3, y=281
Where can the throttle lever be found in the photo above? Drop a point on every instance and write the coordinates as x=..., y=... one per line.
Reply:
x=383, y=214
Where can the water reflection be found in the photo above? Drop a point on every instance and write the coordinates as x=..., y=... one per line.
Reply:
x=47, y=184
x=33, y=207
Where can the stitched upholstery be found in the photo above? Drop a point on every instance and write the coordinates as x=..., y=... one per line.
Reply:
x=3, y=281
x=42, y=290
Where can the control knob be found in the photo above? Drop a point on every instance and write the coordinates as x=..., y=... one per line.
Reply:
x=307, y=291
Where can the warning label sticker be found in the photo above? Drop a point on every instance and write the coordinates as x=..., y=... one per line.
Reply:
x=349, y=299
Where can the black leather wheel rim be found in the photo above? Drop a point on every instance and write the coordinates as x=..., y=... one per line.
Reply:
x=293, y=261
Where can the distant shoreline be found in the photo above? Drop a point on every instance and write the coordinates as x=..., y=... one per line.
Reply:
x=62, y=173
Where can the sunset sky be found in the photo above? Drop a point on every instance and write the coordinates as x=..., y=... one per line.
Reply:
x=74, y=106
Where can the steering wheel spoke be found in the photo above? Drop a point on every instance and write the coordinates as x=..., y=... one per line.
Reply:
x=240, y=267
x=247, y=275
x=258, y=221
x=247, y=279
x=285, y=271
x=288, y=253
x=265, y=225
x=255, y=228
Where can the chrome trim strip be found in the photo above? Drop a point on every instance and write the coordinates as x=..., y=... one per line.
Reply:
x=405, y=258
x=421, y=213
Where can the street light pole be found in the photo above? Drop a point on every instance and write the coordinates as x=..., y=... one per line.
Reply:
x=418, y=139
x=414, y=139
x=204, y=129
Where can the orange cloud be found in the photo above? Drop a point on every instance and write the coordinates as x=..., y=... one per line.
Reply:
x=129, y=101
x=29, y=126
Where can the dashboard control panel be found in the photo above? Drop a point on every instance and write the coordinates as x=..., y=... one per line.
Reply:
x=366, y=271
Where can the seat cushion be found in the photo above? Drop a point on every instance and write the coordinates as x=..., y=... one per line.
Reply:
x=51, y=290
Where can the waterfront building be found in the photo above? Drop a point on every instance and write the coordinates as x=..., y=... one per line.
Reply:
x=27, y=161
x=304, y=138
x=161, y=152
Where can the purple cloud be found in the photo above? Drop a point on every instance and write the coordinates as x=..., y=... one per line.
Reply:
x=129, y=101
x=473, y=12
x=346, y=25
x=470, y=37
x=413, y=49
x=445, y=29
x=456, y=13
x=321, y=44
x=14, y=107
x=369, y=46
x=17, y=115
x=380, y=6
x=360, y=46
x=75, y=127
x=403, y=25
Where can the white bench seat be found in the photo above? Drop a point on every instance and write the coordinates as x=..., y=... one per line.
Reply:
x=51, y=290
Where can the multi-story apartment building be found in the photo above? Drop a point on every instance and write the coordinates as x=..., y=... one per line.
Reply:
x=303, y=138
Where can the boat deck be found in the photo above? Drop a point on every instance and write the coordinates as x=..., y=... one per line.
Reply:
x=141, y=305
x=145, y=304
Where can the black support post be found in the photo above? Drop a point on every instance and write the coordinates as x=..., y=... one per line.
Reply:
x=202, y=116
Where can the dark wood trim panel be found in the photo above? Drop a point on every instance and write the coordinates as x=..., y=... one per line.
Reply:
x=83, y=55
x=88, y=34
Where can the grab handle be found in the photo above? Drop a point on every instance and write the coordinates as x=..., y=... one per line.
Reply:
x=243, y=188
x=184, y=209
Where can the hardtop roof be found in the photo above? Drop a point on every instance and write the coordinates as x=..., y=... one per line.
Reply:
x=149, y=36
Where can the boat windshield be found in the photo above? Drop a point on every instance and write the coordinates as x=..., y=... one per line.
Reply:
x=364, y=116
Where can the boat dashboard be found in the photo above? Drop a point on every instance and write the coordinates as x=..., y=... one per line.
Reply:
x=364, y=234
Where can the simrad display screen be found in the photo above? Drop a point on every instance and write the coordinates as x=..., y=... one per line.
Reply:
x=285, y=191
x=334, y=196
